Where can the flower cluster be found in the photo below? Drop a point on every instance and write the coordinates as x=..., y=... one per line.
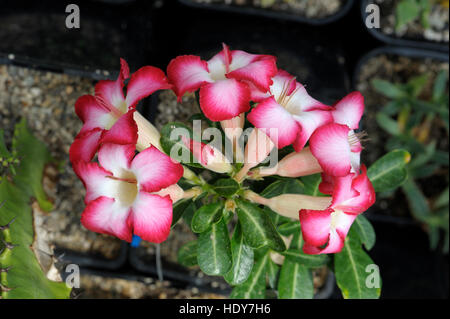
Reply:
x=133, y=194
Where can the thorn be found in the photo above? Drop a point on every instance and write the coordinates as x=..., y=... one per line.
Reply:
x=9, y=246
x=4, y=288
x=5, y=270
x=9, y=224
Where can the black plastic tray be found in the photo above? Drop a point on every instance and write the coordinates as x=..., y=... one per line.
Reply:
x=392, y=40
x=36, y=30
x=281, y=15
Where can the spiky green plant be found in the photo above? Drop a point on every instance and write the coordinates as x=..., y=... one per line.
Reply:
x=21, y=275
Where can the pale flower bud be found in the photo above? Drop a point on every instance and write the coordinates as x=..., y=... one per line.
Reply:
x=298, y=164
x=147, y=134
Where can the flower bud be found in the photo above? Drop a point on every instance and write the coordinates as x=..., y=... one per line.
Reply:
x=147, y=133
x=298, y=164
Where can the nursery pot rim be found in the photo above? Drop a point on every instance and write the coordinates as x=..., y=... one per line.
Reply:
x=272, y=14
x=392, y=40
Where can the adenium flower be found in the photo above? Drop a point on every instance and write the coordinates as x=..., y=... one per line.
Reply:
x=108, y=117
x=290, y=110
x=324, y=230
x=128, y=194
x=335, y=145
x=224, y=81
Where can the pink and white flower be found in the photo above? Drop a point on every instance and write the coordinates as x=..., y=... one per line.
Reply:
x=324, y=231
x=335, y=145
x=290, y=110
x=109, y=115
x=224, y=81
x=128, y=194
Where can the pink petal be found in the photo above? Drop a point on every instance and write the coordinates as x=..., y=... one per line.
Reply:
x=259, y=72
x=116, y=158
x=329, y=144
x=364, y=195
x=152, y=217
x=309, y=122
x=343, y=190
x=349, y=110
x=187, y=73
x=327, y=184
x=95, y=179
x=124, y=131
x=85, y=146
x=300, y=100
x=256, y=95
x=270, y=115
x=144, y=82
x=334, y=245
x=280, y=84
x=224, y=99
x=315, y=226
x=93, y=114
x=219, y=64
x=124, y=69
x=104, y=215
x=155, y=170
x=110, y=94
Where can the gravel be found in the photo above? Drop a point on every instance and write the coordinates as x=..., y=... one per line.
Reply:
x=47, y=100
x=307, y=8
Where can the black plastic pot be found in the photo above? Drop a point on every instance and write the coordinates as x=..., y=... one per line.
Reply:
x=36, y=31
x=392, y=40
x=281, y=15
x=400, y=51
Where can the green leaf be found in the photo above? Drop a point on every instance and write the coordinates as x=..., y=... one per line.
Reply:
x=387, y=124
x=273, y=271
x=255, y=286
x=389, y=171
x=189, y=213
x=187, y=254
x=226, y=187
x=242, y=259
x=178, y=210
x=296, y=281
x=312, y=183
x=257, y=227
x=440, y=85
x=206, y=216
x=214, y=250
x=387, y=89
x=417, y=84
x=288, y=186
x=354, y=271
x=442, y=200
x=365, y=231
x=406, y=11
x=417, y=201
x=172, y=144
x=310, y=261
x=289, y=228
x=34, y=156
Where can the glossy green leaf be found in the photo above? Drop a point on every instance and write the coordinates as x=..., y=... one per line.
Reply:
x=296, y=281
x=214, y=250
x=387, y=124
x=273, y=271
x=187, y=254
x=172, y=144
x=312, y=183
x=289, y=228
x=417, y=201
x=288, y=186
x=226, y=187
x=255, y=286
x=206, y=216
x=310, y=261
x=242, y=259
x=365, y=231
x=389, y=171
x=178, y=210
x=356, y=274
x=257, y=227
